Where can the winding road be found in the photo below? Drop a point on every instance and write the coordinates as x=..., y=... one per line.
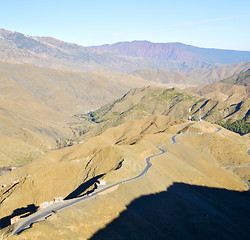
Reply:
x=43, y=214
x=241, y=166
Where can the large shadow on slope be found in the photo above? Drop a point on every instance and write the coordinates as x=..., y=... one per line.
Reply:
x=23, y=212
x=183, y=212
x=78, y=192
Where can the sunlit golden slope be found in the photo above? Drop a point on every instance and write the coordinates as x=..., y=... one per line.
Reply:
x=193, y=160
x=141, y=102
x=36, y=103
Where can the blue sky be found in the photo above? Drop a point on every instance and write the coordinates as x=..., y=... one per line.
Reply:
x=213, y=24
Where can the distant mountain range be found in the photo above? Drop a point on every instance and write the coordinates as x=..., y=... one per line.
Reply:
x=176, y=52
x=125, y=57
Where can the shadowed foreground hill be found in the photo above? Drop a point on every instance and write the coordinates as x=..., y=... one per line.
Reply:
x=183, y=211
x=118, y=154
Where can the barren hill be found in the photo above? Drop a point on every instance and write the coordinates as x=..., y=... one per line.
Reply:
x=119, y=153
x=239, y=79
x=194, y=77
x=142, y=102
x=36, y=103
x=232, y=90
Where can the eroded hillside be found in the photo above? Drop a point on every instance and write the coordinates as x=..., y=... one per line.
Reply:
x=232, y=90
x=119, y=153
x=142, y=102
x=36, y=104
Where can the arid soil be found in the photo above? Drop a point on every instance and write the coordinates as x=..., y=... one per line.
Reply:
x=192, y=169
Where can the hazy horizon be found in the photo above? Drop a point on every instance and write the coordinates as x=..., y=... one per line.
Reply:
x=213, y=24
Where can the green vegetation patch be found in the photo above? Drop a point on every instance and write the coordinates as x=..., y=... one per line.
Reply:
x=188, y=97
x=156, y=93
x=103, y=120
x=240, y=126
x=172, y=94
x=168, y=94
x=140, y=106
x=115, y=113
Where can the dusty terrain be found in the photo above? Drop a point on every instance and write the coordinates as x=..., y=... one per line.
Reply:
x=190, y=168
x=232, y=90
x=37, y=103
x=142, y=102
x=194, y=77
x=197, y=190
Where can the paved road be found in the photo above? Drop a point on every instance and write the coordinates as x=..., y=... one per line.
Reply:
x=45, y=213
x=247, y=183
x=240, y=166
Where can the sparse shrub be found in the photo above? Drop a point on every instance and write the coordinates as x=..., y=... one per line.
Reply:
x=115, y=113
x=193, y=119
x=92, y=114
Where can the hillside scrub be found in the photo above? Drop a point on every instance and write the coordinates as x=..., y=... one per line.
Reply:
x=240, y=126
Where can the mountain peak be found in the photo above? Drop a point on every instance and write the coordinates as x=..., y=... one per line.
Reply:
x=119, y=57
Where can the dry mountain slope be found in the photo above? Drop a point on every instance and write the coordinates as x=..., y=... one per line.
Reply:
x=37, y=102
x=142, y=102
x=126, y=146
x=80, y=163
x=69, y=91
x=233, y=89
x=240, y=79
x=194, y=77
